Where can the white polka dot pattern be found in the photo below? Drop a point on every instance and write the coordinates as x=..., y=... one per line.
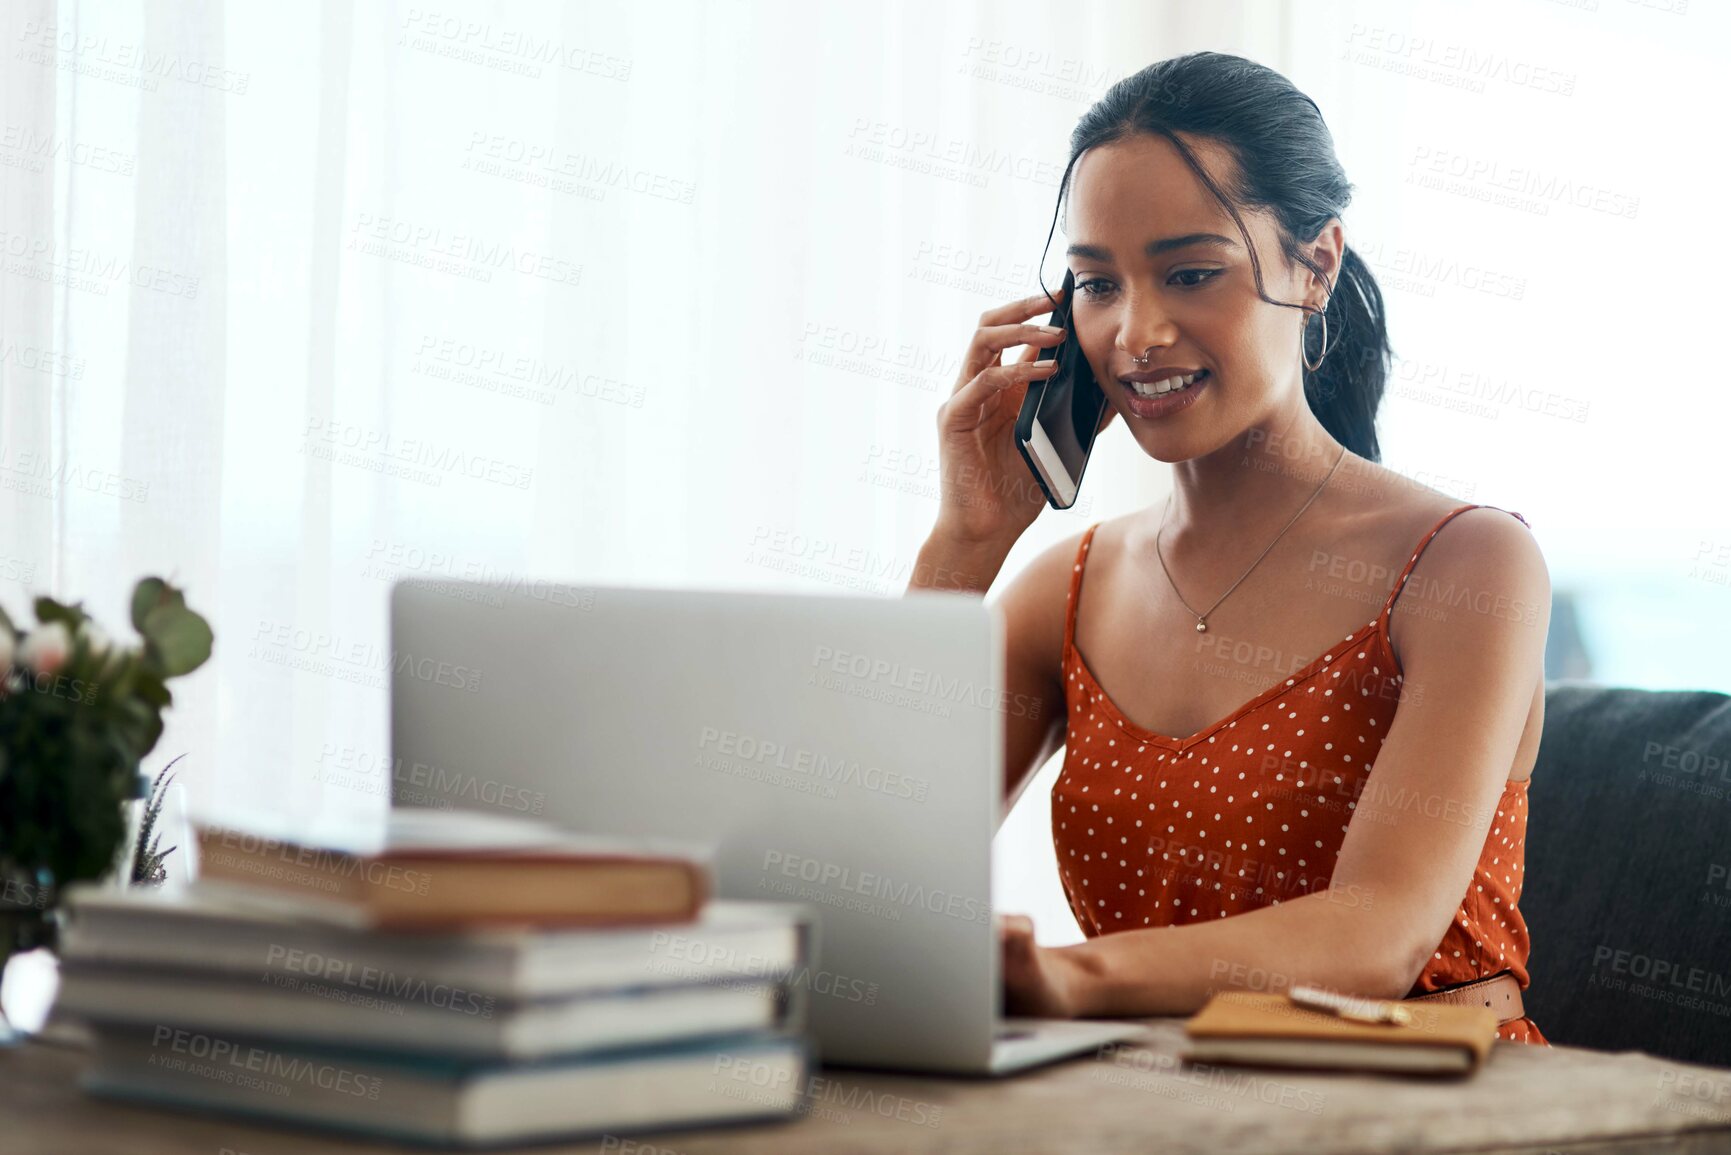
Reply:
x=1155, y=830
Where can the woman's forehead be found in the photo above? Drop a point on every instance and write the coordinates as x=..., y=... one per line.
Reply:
x=1138, y=189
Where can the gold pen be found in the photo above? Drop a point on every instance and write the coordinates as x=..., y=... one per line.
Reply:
x=1352, y=1007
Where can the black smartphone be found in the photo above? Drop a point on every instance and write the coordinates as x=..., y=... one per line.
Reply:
x=1061, y=413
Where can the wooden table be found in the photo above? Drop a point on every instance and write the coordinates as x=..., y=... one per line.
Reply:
x=1136, y=1099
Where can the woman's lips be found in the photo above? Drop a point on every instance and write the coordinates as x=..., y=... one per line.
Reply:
x=1166, y=404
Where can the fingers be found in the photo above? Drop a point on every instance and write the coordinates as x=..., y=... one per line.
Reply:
x=1009, y=380
x=1002, y=327
x=1039, y=344
x=989, y=342
x=1020, y=310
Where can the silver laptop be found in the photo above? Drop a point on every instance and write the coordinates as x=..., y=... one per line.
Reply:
x=841, y=751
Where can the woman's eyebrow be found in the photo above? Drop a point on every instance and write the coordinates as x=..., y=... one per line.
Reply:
x=1155, y=248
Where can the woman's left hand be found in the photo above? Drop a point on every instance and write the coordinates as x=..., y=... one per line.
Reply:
x=1038, y=981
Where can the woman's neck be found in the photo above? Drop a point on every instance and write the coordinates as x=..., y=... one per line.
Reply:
x=1254, y=483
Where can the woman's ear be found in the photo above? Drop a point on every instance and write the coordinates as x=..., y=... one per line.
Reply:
x=1328, y=251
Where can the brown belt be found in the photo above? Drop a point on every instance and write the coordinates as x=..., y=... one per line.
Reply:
x=1501, y=992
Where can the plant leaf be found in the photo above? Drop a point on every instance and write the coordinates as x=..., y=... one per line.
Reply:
x=151, y=688
x=149, y=593
x=49, y=610
x=181, y=638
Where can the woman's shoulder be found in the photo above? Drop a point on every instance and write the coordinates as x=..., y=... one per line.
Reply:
x=1456, y=550
x=1376, y=505
x=1035, y=600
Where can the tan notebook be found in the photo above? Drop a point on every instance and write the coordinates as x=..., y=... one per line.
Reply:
x=436, y=870
x=1267, y=1029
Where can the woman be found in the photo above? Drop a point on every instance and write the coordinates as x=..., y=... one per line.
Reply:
x=1301, y=698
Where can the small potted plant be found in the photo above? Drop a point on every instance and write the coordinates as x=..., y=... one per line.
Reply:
x=78, y=712
x=148, y=860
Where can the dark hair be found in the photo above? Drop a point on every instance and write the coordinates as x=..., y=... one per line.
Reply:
x=1285, y=162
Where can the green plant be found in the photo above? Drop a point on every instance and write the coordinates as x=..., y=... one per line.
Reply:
x=148, y=856
x=78, y=712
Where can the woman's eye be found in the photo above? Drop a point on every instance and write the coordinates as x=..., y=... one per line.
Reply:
x=1099, y=287
x=1204, y=274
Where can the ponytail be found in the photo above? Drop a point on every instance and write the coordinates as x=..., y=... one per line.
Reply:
x=1346, y=388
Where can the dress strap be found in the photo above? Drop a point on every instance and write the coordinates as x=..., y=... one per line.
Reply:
x=1076, y=588
x=1400, y=582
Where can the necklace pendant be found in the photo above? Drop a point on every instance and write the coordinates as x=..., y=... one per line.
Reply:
x=1201, y=625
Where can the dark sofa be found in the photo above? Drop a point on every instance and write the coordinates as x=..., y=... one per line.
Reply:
x=1627, y=891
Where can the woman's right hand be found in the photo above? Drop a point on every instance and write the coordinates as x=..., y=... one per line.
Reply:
x=988, y=494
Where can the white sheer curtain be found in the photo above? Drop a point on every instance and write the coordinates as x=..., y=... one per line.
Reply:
x=296, y=299
x=1539, y=209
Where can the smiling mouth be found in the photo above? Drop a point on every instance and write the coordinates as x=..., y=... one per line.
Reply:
x=1162, y=388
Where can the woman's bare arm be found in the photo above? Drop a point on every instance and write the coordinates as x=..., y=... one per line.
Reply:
x=1033, y=604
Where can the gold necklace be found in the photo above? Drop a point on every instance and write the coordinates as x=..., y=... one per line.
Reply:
x=1202, y=618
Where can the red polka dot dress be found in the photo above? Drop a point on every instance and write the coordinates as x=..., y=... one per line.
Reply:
x=1152, y=830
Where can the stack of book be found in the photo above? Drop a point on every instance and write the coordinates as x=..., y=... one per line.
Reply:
x=460, y=982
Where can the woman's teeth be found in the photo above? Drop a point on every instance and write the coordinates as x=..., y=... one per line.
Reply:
x=1170, y=385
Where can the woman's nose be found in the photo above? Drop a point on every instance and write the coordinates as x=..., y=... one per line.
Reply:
x=1143, y=322
x=1144, y=325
